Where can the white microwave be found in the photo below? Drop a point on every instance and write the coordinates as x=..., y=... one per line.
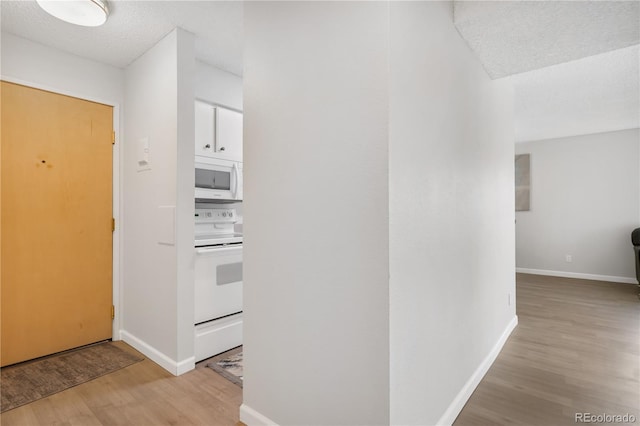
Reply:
x=217, y=180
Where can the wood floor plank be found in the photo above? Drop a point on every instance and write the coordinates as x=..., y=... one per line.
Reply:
x=141, y=394
x=576, y=350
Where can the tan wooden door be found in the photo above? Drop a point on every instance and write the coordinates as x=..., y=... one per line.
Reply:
x=56, y=226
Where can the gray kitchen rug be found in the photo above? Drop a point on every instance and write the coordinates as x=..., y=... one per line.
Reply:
x=228, y=365
x=29, y=381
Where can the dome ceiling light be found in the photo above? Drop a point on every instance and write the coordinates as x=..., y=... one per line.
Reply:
x=88, y=13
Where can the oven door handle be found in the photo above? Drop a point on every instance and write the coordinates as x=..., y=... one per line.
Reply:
x=209, y=250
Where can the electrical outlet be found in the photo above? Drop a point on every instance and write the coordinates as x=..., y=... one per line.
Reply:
x=568, y=258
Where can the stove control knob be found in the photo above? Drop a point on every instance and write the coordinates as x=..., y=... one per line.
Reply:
x=224, y=214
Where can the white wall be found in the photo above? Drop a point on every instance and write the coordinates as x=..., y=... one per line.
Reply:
x=316, y=294
x=451, y=215
x=33, y=64
x=186, y=65
x=59, y=71
x=368, y=121
x=218, y=87
x=158, y=225
x=585, y=201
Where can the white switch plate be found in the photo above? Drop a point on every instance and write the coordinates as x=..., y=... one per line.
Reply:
x=568, y=258
x=143, y=154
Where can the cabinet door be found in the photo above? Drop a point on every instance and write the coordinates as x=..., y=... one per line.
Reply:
x=205, y=129
x=228, y=134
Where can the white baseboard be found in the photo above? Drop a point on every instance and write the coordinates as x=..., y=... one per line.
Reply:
x=563, y=274
x=251, y=417
x=185, y=365
x=173, y=367
x=463, y=396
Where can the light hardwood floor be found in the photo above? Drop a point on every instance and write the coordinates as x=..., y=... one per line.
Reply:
x=142, y=394
x=576, y=349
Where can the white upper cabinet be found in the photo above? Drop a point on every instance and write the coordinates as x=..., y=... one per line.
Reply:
x=205, y=129
x=218, y=132
x=229, y=134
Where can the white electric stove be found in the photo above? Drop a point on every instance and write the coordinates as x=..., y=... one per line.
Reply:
x=218, y=282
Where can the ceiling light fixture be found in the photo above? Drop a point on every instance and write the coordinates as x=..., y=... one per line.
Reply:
x=88, y=13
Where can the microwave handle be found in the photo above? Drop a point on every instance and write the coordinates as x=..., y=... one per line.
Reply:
x=236, y=174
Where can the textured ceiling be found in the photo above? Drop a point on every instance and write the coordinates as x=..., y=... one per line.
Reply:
x=574, y=64
x=135, y=26
x=596, y=94
x=511, y=37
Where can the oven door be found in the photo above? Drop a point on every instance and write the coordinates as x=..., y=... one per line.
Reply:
x=218, y=282
x=219, y=180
